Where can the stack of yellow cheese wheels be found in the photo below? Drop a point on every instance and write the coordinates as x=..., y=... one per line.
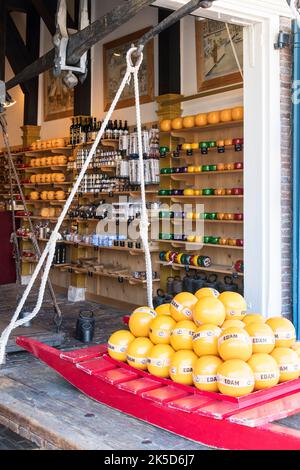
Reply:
x=208, y=340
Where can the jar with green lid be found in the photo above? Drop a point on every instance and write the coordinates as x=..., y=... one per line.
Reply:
x=207, y=192
x=206, y=239
x=212, y=144
x=214, y=240
x=163, y=151
x=203, y=147
x=166, y=215
x=164, y=192
x=166, y=236
x=205, y=168
x=212, y=167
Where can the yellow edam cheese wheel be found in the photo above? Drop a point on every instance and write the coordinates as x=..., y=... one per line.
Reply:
x=182, y=305
x=140, y=319
x=118, y=344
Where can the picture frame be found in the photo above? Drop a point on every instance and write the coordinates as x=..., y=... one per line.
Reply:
x=216, y=64
x=114, y=68
x=58, y=99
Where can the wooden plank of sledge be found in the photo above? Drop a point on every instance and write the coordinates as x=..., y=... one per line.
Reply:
x=95, y=365
x=139, y=386
x=116, y=376
x=190, y=403
x=80, y=355
x=218, y=409
x=268, y=412
x=164, y=394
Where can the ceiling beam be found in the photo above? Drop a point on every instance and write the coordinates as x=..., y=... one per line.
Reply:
x=93, y=34
x=47, y=11
x=16, y=51
x=3, y=14
x=16, y=5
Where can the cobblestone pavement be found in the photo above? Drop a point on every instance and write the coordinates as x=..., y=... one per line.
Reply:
x=11, y=441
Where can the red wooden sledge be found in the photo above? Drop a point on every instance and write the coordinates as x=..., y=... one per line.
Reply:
x=209, y=418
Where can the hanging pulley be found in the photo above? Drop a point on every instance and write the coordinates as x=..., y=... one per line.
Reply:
x=61, y=41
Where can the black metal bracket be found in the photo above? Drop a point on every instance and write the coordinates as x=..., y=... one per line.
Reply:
x=283, y=40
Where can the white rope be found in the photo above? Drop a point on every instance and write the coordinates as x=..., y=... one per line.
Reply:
x=234, y=51
x=144, y=224
x=49, y=251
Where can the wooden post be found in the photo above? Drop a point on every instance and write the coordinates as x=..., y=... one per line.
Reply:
x=3, y=14
x=30, y=134
x=33, y=46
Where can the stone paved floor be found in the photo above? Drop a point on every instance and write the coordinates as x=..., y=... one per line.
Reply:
x=11, y=441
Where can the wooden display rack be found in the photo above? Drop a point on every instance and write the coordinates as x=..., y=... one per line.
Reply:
x=100, y=287
x=223, y=256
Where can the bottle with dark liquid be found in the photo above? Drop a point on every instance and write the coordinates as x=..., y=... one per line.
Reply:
x=72, y=132
x=115, y=130
x=120, y=129
x=94, y=130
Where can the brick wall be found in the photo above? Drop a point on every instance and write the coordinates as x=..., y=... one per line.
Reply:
x=286, y=171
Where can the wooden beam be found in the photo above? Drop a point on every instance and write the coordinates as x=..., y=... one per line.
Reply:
x=17, y=5
x=3, y=15
x=33, y=46
x=82, y=92
x=93, y=34
x=47, y=11
x=169, y=56
x=16, y=51
x=84, y=40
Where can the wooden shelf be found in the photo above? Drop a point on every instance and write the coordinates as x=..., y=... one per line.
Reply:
x=38, y=168
x=209, y=127
x=206, y=221
x=179, y=176
x=117, y=193
x=35, y=217
x=125, y=278
x=36, y=185
x=216, y=268
x=201, y=197
x=132, y=251
x=194, y=245
x=48, y=151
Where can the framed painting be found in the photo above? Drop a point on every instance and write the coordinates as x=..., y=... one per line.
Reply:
x=58, y=99
x=114, y=68
x=216, y=63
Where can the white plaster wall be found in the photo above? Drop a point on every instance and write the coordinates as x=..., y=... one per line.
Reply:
x=148, y=17
x=189, y=76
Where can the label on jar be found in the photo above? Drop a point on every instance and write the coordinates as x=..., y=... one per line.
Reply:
x=182, y=332
x=181, y=370
x=285, y=335
x=207, y=334
x=266, y=375
x=238, y=336
x=263, y=340
x=181, y=309
x=204, y=379
x=289, y=367
x=161, y=333
x=137, y=360
x=159, y=362
x=118, y=349
x=238, y=382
